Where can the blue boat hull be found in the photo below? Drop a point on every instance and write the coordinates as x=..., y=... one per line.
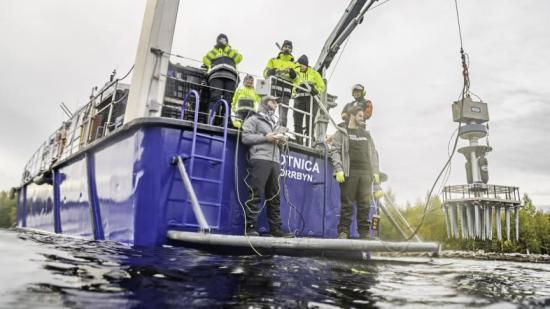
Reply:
x=125, y=188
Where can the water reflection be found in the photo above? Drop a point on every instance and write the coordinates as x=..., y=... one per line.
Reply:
x=57, y=272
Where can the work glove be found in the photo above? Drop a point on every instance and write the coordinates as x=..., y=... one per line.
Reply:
x=376, y=178
x=271, y=72
x=291, y=73
x=236, y=123
x=340, y=177
x=378, y=193
x=313, y=91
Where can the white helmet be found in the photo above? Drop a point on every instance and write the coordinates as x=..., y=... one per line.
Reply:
x=359, y=87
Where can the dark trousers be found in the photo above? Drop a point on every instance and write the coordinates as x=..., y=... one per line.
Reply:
x=243, y=114
x=284, y=92
x=304, y=104
x=263, y=181
x=216, y=93
x=356, y=188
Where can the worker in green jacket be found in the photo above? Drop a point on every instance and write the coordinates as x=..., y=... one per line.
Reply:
x=221, y=62
x=245, y=101
x=304, y=104
x=282, y=70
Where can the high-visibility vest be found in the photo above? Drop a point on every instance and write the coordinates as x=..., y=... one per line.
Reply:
x=310, y=76
x=245, y=95
x=226, y=51
x=281, y=62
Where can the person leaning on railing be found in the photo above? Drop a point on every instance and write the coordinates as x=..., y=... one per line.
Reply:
x=355, y=162
x=306, y=78
x=282, y=68
x=245, y=101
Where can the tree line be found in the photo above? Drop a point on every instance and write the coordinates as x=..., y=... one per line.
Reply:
x=8, y=211
x=534, y=228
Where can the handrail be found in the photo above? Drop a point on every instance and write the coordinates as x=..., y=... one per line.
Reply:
x=78, y=134
x=183, y=105
x=274, y=79
x=308, y=89
x=213, y=110
x=197, y=210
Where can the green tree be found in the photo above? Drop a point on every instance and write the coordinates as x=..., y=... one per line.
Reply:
x=7, y=210
x=534, y=228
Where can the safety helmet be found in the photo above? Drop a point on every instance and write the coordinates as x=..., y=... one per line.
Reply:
x=359, y=87
x=249, y=77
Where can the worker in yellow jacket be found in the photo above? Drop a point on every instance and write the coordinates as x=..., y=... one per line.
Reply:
x=221, y=62
x=282, y=70
x=245, y=101
x=307, y=78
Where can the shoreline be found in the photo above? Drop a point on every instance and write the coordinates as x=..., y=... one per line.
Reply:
x=479, y=255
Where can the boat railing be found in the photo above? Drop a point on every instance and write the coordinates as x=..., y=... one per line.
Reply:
x=102, y=114
x=172, y=107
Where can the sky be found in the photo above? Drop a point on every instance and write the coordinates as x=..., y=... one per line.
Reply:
x=405, y=52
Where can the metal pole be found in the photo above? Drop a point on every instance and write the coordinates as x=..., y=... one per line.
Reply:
x=392, y=221
x=447, y=220
x=491, y=212
x=499, y=223
x=471, y=226
x=516, y=210
x=507, y=210
x=463, y=224
x=477, y=229
x=301, y=243
x=149, y=77
x=400, y=216
x=204, y=227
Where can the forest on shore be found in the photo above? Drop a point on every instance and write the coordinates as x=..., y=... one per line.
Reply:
x=534, y=228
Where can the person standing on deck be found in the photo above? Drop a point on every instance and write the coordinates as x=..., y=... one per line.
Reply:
x=282, y=69
x=264, y=167
x=245, y=101
x=355, y=162
x=221, y=62
x=358, y=92
x=306, y=78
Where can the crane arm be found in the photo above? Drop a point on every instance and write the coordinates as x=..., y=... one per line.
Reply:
x=352, y=17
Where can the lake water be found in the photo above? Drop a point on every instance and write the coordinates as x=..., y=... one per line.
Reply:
x=48, y=271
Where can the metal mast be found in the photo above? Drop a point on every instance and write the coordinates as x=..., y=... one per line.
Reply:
x=148, y=80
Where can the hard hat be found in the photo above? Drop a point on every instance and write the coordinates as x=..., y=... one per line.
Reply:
x=359, y=87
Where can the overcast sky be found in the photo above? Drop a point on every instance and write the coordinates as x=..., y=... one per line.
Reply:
x=406, y=52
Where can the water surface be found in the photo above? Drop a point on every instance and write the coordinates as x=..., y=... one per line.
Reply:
x=48, y=271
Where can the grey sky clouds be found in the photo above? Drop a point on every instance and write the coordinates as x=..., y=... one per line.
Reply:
x=406, y=52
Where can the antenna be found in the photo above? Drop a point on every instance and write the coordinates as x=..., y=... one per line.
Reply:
x=66, y=110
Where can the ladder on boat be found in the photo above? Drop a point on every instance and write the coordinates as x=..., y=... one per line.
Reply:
x=204, y=213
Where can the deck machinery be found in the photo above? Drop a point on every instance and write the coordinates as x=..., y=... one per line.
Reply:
x=474, y=210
